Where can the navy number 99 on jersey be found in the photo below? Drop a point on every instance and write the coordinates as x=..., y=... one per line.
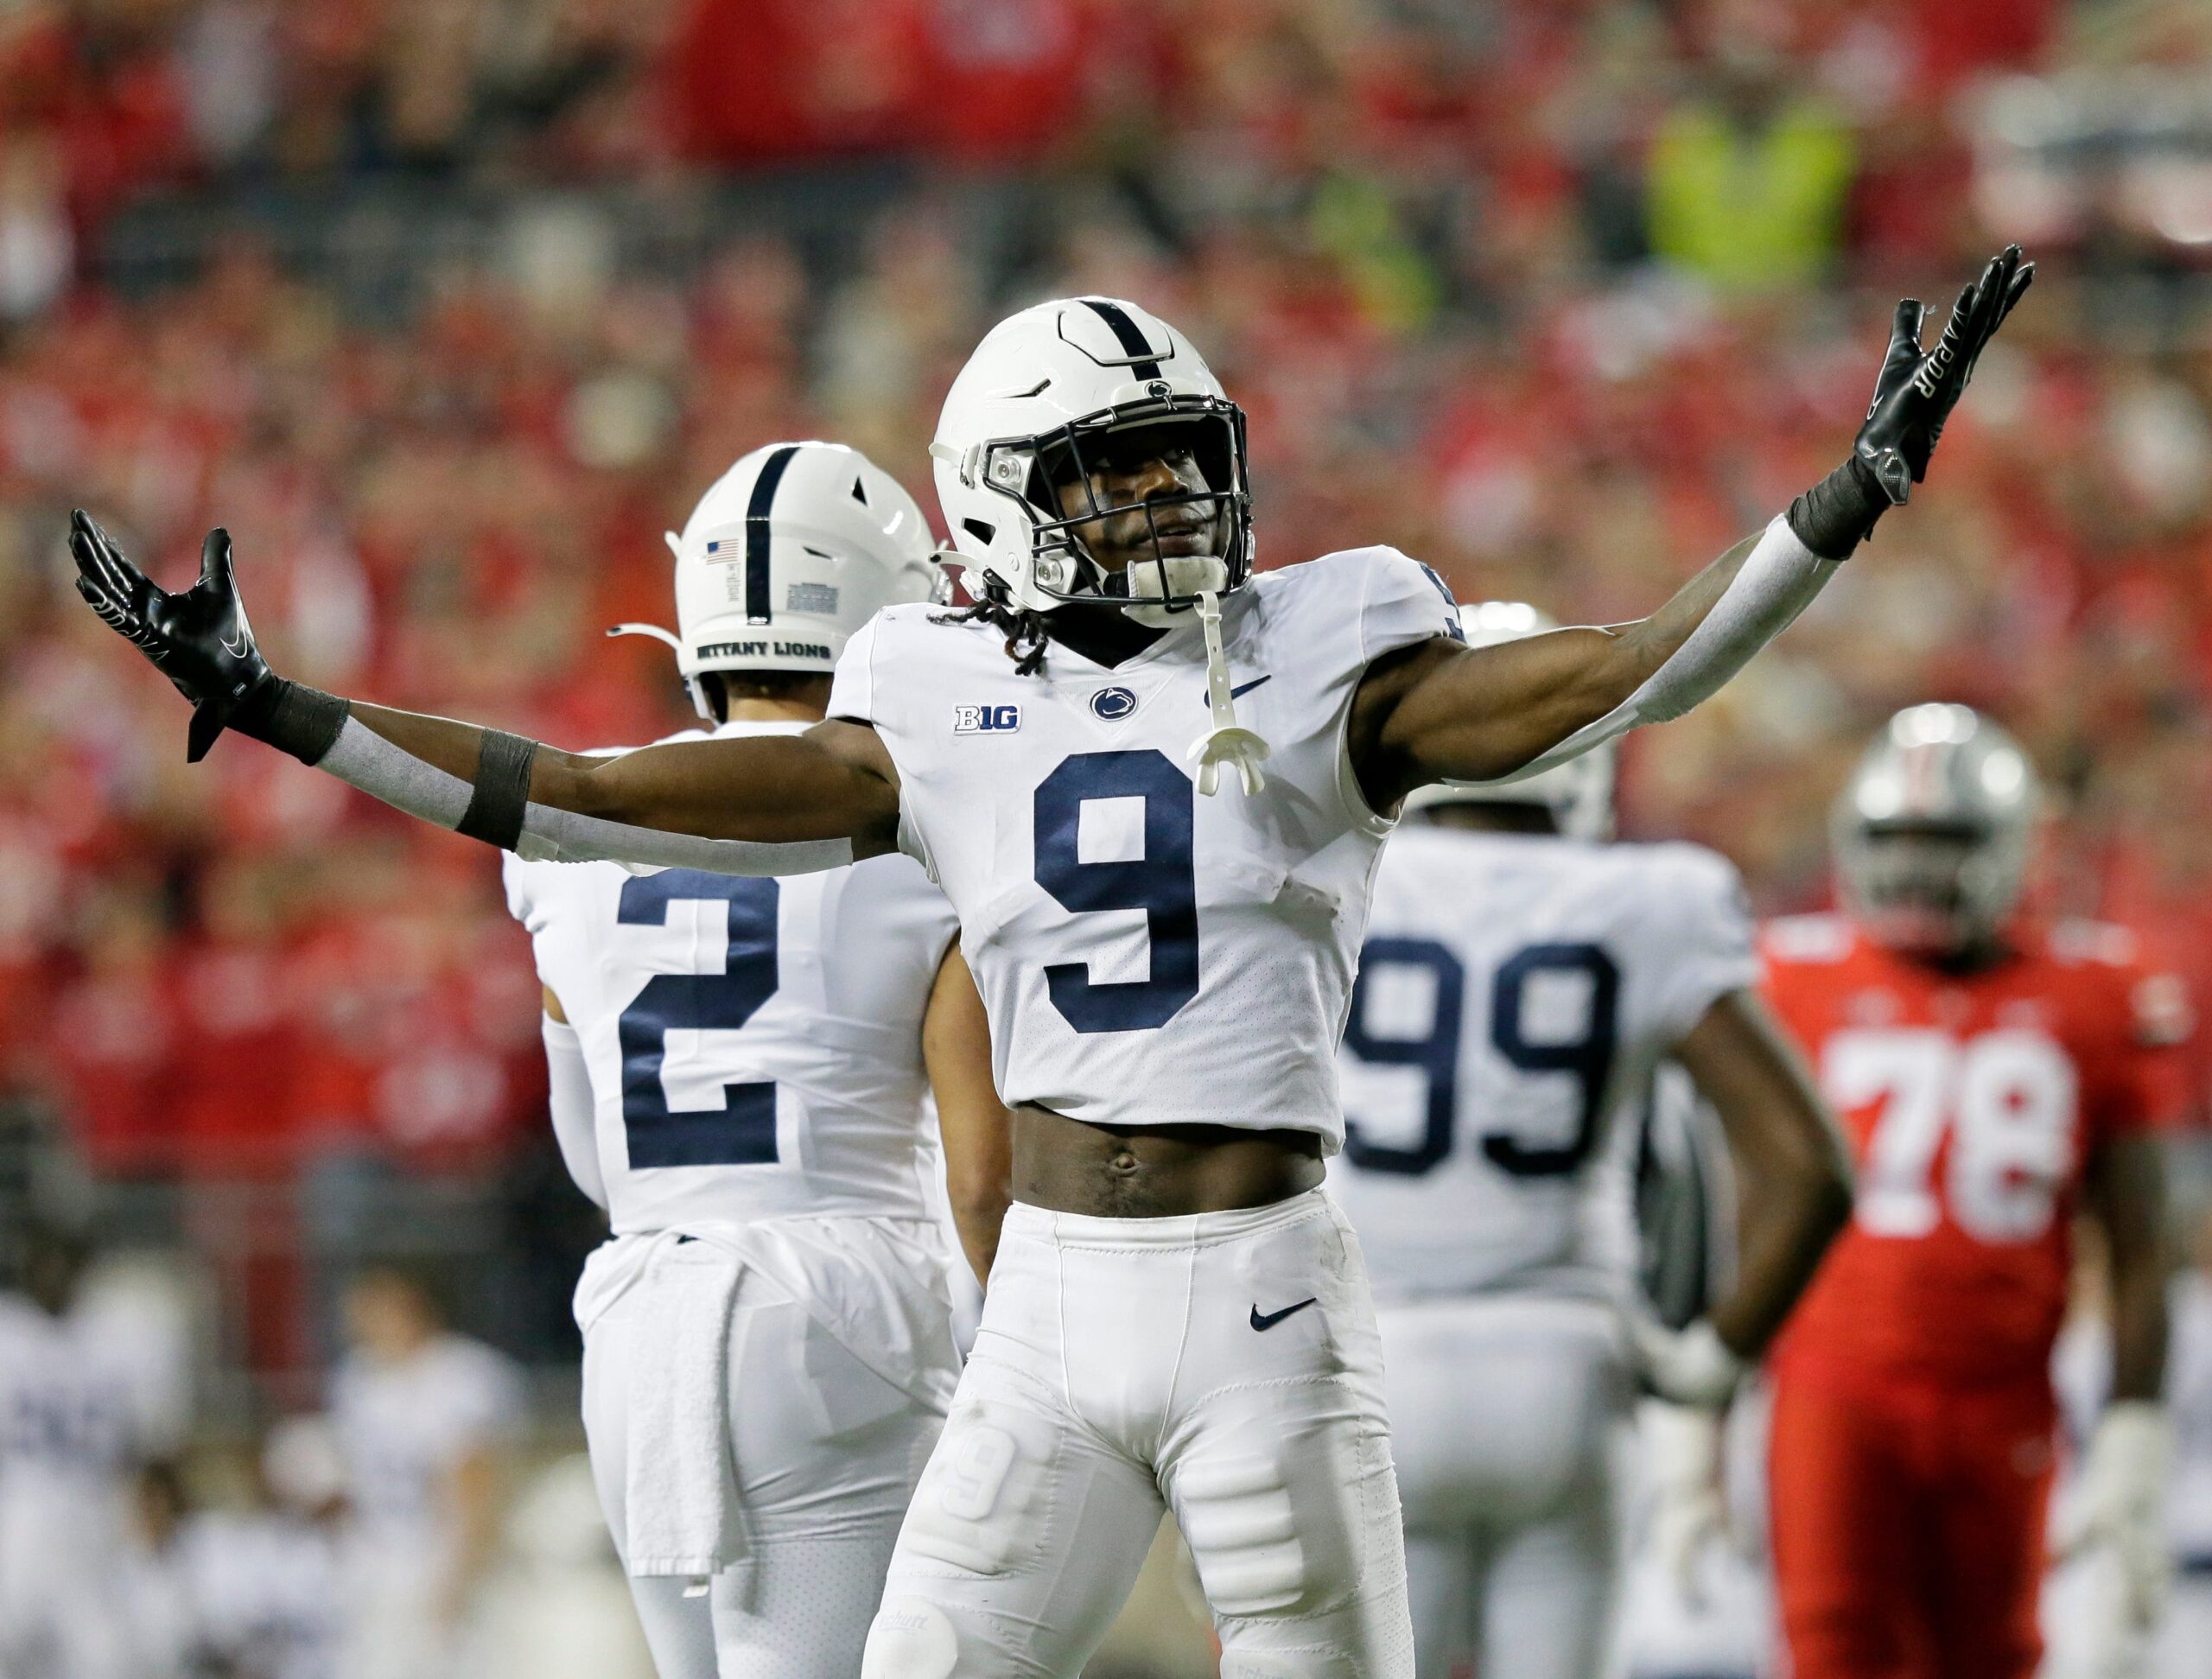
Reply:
x=1586, y=1057
x=1161, y=881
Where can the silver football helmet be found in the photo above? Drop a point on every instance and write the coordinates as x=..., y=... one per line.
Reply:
x=1578, y=793
x=1932, y=832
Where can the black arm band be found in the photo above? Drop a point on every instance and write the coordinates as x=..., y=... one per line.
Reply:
x=292, y=717
x=1838, y=513
x=501, y=796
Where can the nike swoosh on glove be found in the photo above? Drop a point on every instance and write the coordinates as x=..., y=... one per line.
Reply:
x=199, y=638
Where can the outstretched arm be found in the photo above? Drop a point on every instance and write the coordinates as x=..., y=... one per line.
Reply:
x=1441, y=711
x=761, y=805
x=801, y=794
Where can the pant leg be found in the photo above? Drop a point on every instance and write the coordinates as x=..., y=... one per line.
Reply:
x=1552, y=1594
x=2178, y=1646
x=1031, y=1521
x=679, y=1630
x=827, y=1454
x=1509, y=1422
x=1990, y=1510
x=1848, y=1529
x=1276, y=1455
x=1445, y=1569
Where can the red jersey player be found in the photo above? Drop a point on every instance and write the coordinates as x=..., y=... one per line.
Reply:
x=1994, y=1077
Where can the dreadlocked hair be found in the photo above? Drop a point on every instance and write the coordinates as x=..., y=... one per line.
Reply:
x=1022, y=627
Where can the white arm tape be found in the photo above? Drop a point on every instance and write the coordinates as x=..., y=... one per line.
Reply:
x=574, y=1126
x=1779, y=578
x=564, y=836
x=362, y=757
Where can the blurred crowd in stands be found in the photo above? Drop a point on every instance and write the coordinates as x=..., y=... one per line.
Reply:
x=1561, y=297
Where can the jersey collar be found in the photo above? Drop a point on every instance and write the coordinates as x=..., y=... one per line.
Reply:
x=1105, y=636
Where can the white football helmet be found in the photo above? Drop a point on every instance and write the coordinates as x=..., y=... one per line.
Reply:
x=1046, y=392
x=793, y=549
x=1932, y=832
x=1578, y=793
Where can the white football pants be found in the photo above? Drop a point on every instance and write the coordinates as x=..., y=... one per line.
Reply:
x=827, y=1454
x=2186, y=1634
x=1510, y=1420
x=1225, y=1363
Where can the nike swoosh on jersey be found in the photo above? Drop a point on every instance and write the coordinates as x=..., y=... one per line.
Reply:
x=1264, y=1321
x=1245, y=688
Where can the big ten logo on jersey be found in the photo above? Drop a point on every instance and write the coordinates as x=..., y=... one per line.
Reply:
x=2004, y=1099
x=985, y=719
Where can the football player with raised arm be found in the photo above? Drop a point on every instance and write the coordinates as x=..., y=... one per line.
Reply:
x=1520, y=982
x=738, y=1070
x=1996, y=1075
x=1165, y=951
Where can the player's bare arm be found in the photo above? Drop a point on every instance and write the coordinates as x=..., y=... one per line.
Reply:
x=834, y=782
x=972, y=1121
x=1441, y=711
x=774, y=804
x=1789, y=1156
x=2125, y=1197
x=475, y=1492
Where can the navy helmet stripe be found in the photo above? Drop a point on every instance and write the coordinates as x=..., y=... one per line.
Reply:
x=757, y=508
x=1131, y=337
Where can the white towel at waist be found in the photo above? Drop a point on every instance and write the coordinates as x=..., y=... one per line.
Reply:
x=877, y=1285
x=685, y=1514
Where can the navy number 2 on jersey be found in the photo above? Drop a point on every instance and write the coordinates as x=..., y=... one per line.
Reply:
x=742, y=1131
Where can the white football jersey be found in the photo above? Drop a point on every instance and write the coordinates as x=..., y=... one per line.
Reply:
x=404, y=1427
x=2189, y=1396
x=76, y=1413
x=1516, y=993
x=73, y=1404
x=1147, y=956
x=754, y=1046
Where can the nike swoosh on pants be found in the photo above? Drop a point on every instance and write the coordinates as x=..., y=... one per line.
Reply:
x=1264, y=1321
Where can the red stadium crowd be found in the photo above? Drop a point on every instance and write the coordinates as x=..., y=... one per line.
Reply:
x=1560, y=298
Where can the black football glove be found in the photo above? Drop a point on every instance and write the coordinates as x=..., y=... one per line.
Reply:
x=199, y=639
x=1919, y=389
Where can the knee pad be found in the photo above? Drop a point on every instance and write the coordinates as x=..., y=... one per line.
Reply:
x=911, y=1639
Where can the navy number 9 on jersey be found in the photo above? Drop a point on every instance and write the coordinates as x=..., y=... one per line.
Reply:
x=1162, y=882
x=1589, y=1057
x=1436, y=1055
x=742, y=1131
